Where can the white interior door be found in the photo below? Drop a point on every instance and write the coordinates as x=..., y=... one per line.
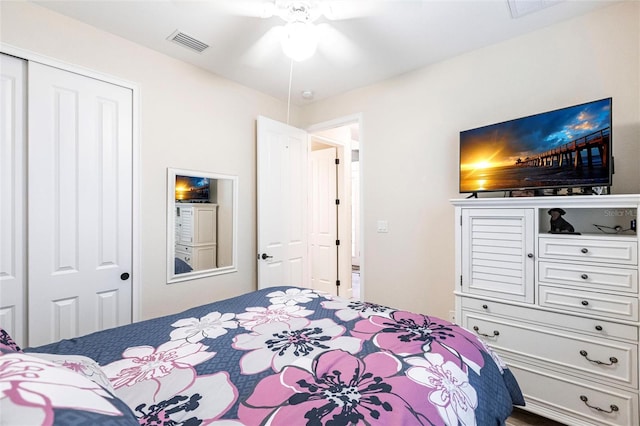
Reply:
x=282, y=153
x=323, y=224
x=80, y=204
x=13, y=197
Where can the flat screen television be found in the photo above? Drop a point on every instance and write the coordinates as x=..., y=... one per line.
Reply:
x=564, y=148
x=191, y=189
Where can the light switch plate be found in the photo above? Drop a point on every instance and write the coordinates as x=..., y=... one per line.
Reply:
x=383, y=226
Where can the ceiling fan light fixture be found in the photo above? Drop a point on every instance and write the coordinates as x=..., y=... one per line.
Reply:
x=300, y=40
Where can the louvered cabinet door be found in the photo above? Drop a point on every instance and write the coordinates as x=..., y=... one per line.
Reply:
x=498, y=253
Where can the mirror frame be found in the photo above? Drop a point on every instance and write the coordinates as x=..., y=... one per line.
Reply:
x=172, y=277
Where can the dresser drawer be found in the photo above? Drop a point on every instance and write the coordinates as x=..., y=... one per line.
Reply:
x=583, y=355
x=184, y=248
x=584, y=249
x=185, y=257
x=546, y=391
x=591, y=303
x=589, y=276
x=594, y=327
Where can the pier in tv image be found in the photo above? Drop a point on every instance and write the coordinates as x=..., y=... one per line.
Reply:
x=192, y=189
x=564, y=148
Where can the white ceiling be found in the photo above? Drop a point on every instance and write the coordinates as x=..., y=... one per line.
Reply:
x=374, y=40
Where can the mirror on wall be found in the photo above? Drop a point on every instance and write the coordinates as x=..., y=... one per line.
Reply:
x=201, y=224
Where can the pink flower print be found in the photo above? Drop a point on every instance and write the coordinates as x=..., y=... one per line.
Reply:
x=406, y=333
x=210, y=326
x=182, y=397
x=31, y=388
x=79, y=364
x=451, y=392
x=278, y=344
x=75, y=366
x=274, y=313
x=341, y=390
x=348, y=310
x=89, y=370
x=141, y=363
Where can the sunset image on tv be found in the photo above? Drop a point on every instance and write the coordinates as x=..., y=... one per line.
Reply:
x=189, y=188
x=568, y=147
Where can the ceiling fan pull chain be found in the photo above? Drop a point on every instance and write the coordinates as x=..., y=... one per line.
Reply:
x=289, y=97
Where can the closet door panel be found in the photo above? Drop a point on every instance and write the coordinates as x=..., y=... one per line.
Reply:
x=80, y=174
x=62, y=169
x=12, y=197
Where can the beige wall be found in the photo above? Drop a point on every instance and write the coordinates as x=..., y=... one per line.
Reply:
x=190, y=119
x=410, y=135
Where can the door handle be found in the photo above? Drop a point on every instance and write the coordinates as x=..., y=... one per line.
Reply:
x=265, y=256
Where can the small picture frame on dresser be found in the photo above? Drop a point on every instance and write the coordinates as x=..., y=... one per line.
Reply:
x=558, y=224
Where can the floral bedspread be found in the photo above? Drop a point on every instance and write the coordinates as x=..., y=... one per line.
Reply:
x=290, y=356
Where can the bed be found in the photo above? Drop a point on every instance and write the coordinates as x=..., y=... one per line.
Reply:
x=181, y=267
x=278, y=356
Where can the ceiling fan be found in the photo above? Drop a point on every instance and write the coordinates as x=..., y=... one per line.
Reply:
x=300, y=38
x=304, y=26
x=330, y=9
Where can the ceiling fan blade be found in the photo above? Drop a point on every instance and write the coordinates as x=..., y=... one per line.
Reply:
x=336, y=10
x=336, y=47
x=264, y=49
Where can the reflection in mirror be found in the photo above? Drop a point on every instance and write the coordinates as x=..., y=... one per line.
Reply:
x=201, y=224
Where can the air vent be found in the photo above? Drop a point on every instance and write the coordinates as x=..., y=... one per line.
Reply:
x=187, y=41
x=519, y=8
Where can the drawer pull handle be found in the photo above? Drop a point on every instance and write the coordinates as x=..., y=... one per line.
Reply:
x=585, y=303
x=584, y=276
x=612, y=408
x=485, y=307
x=612, y=360
x=585, y=250
x=477, y=330
x=599, y=327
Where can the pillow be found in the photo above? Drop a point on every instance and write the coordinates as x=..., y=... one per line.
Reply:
x=6, y=342
x=81, y=365
x=37, y=391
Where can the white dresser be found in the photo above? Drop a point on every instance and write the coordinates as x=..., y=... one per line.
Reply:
x=196, y=234
x=561, y=309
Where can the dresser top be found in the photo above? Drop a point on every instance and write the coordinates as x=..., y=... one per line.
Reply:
x=588, y=201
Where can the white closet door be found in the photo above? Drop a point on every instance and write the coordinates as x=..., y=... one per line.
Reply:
x=80, y=207
x=12, y=197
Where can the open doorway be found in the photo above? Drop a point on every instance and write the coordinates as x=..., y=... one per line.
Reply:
x=355, y=214
x=334, y=218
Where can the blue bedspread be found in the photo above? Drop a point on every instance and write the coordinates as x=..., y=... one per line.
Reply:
x=290, y=356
